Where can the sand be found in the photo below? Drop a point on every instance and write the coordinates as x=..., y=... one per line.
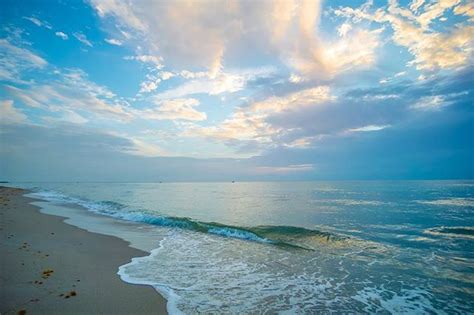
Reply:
x=50, y=267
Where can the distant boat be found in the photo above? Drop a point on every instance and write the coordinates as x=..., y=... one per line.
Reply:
x=233, y=181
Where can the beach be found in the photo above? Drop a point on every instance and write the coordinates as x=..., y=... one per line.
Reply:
x=50, y=267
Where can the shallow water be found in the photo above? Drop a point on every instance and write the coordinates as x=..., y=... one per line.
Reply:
x=297, y=247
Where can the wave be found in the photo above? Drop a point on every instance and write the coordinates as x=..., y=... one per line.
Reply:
x=457, y=202
x=351, y=202
x=452, y=231
x=285, y=236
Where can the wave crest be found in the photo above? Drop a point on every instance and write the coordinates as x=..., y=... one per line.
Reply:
x=452, y=231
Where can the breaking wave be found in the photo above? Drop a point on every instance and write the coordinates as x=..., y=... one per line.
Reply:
x=452, y=231
x=285, y=236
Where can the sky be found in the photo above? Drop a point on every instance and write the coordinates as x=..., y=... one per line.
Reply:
x=106, y=90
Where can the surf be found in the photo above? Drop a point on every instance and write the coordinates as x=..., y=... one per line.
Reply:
x=280, y=235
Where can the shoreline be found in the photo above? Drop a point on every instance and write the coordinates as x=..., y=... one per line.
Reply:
x=50, y=267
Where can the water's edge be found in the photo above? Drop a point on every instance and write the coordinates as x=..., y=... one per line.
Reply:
x=78, y=216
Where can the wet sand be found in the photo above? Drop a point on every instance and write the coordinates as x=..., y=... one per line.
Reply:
x=49, y=267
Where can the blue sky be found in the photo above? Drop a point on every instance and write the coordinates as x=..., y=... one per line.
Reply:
x=245, y=90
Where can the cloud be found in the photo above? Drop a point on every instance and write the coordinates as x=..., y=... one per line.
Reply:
x=62, y=35
x=284, y=169
x=69, y=96
x=357, y=49
x=113, y=41
x=153, y=80
x=434, y=10
x=368, y=128
x=302, y=143
x=301, y=45
x=16, y=60
x=432, y=49
x=466, y=9
x=121, y=10
x=249, y=125
x=215, y=83
x=175, y=109
x=416, y=4
x=156, y=61
x=67, y=116
x=435, y=102
x=83, y=39
x=9, y=114
x=144, y=149
x=72, y=92
x=307, y=97
x=38, y=22
x=166, y=75
x=240, y=128
x=190, y=35
x=294, y=78
x=149, y=86
x=343, y=29
x=307, y=118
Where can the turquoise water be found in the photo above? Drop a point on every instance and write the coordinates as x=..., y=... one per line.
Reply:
x=297, y=247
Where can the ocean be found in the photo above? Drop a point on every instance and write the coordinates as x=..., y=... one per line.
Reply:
x=293, y=247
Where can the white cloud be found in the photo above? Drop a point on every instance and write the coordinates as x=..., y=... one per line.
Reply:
x=73, y=117
x=434, y=102
x=33, y=20
x=294, y=78
x=434, y=10
x=466, y=9
x=239, y=127
x=368, y=128
x=357, y=49
x=149, y=86
x=303, y=98
x=415, y=4
x=9, y=114
x=432, y=49
x=23, y=97
x=72, y=91
x=67, y=116
x=175, y=109
x=113, y=41
x=343, y=29
x=153, y=80
x=38, y=22
x=380, y=97
x=62, y=35
x=303, y=143
x=192, y=35
x=15, y=60
x=143, y=148
x=157, y=61
x=215, y=83
x=121, y=10
x=392, y=78
x=166, y=75
x=83, y=39
x=250, y=123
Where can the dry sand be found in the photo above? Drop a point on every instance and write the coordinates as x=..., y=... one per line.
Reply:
x=49, y=267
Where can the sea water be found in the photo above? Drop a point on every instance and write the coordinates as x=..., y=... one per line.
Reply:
x=295, y=247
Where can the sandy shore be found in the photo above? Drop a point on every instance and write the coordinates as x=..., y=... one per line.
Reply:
x=49, y=267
